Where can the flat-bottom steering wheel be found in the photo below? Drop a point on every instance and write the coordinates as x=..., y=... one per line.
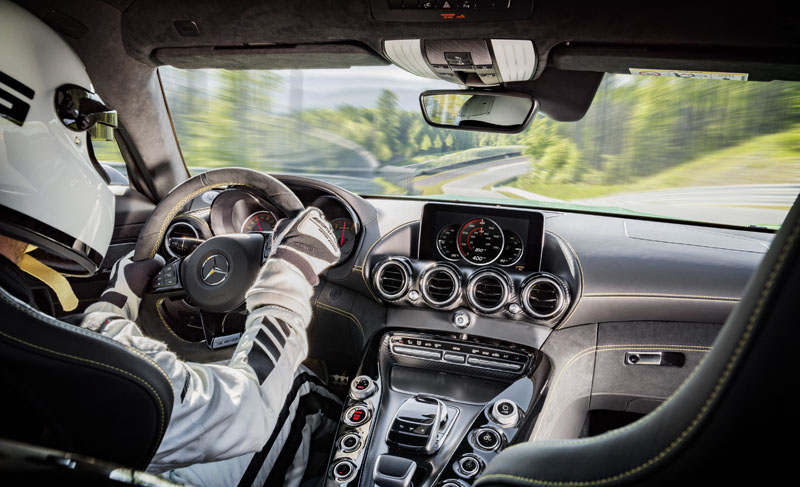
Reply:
x=216, y=275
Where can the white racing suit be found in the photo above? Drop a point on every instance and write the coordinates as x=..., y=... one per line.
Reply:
x=250, y=422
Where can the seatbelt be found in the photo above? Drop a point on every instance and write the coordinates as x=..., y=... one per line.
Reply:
x=54, y=280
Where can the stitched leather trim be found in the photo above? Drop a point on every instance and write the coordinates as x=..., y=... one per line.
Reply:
x=688, y=297
x=646, y=347
x=580, y=270
x=99, y=364
x=737, y=353
x=344, y=313
x=166, y=325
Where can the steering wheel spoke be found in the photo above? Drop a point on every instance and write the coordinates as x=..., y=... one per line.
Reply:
x=167, y=282
x=214, y=330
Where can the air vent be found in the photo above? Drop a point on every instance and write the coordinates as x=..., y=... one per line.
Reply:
x=440, y=285
x=392, y=279
x=180, y=239
x=544, y=297
x=488, y=291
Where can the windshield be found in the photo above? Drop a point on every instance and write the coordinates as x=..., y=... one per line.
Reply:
x=706, y=150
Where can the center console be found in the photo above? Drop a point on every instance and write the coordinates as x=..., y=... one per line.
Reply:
x=433, y=410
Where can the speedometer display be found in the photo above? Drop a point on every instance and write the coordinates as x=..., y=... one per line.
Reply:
x=512, y=249
x=446, y=242
x=480, y=241
x=260, y=221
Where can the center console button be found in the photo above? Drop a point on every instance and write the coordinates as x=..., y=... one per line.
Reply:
x=454, y=483
x=349, y=442
x=356, y=415
x=415, y=352
x=456, y=358
x=468, y=466
x=487, y=439
x=362, y=387
x=505, y=413
x=343, y=471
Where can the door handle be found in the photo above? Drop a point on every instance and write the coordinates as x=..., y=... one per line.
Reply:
x=664, y=359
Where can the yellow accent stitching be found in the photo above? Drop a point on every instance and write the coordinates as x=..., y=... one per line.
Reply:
x=344, y=313
x=580, y=271
x=688, y=297
x=180, y=204
x=616, y=347
x=166, y=325
x=706, y=405
x=101, y=364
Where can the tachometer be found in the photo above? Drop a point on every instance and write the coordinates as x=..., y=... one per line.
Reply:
x=446, y=242
x=260, y=221
x=480, y=241
x=512, y=249
x=345, y=232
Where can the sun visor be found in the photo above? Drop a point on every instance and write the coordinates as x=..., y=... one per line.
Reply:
x=300, y=56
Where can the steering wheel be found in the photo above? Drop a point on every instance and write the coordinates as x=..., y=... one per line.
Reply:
x=216, y=275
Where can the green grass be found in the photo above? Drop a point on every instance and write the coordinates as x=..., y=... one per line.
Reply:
x=768, y=159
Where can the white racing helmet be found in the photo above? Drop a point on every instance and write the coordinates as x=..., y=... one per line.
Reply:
x=53, y=193
x=494, y=110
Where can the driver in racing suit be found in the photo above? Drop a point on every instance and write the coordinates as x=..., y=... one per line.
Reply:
x=224, y=413
x=248, y=421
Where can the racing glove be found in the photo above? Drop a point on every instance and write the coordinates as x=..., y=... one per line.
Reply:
x=126, y=286
x=302, y=248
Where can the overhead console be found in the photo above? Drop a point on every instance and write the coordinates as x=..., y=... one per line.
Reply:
x=450, y=10
x=476, y=63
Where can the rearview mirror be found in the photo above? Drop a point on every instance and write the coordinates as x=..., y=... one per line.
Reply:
x=485, y=112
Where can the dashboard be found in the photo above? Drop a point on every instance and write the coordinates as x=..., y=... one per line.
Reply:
x=467, y=303
x=237, y=210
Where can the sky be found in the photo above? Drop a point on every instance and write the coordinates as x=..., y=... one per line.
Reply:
x=358, y=86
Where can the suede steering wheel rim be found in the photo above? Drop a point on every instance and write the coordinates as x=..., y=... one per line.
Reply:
x=152, y=234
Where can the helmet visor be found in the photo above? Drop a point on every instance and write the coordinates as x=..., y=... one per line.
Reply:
x=80, y=110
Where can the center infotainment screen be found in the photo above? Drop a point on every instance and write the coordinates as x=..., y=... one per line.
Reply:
x=482, y=235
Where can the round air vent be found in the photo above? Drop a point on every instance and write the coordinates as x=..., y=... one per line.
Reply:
x=174, y=241
x=392, y=279
x=545, y=296
x=488, y=291
x=440, y=285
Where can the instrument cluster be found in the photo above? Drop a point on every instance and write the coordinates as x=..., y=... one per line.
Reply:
x=482, y=235
x=480, y=241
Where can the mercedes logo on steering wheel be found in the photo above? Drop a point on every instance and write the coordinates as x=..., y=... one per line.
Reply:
x=215, y=270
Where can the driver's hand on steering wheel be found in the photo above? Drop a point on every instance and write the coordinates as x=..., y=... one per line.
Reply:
x=127, y=283
x=307, y=242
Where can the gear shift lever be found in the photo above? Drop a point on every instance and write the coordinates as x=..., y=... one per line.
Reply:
x=417, y=424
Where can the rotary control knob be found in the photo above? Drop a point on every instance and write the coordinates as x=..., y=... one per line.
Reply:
x=505, y=413
x=362, y=387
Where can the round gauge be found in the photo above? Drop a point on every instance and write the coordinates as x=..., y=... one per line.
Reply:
x=260, y=221
x=480, y=241
x=512, y=249
x=345, y=232
x=446, y=242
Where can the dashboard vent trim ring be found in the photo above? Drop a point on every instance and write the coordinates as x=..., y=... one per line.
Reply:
x=558, y=288
x=428, y=278
x=168, y=235
x=398, y=271
x=473, y=290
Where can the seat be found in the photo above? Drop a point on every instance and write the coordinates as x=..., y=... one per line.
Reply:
x=71, y=389
x=731, y=420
